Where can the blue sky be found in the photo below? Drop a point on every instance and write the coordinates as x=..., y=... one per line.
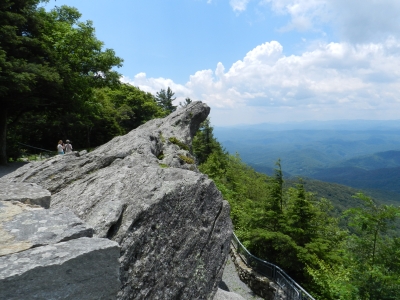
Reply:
x=255, y=61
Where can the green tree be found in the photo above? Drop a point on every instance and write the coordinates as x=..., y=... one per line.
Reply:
x=373, y=250
x=300, y=215
x=273, y=214
x=131, y=106
x=112, y=112
x=50, y=64
x=186, y=103
x=288, y=227
x=164, y=99
x=25, y=72
x=370, y=265
x=204, y=143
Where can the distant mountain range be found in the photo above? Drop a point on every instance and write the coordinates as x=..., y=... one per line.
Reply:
x=359, y=154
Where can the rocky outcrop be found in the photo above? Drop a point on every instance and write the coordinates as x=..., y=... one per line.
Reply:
x=49, y=253
x=29, y=193
x=143, y=190
x=80, y=269
x=23, y=227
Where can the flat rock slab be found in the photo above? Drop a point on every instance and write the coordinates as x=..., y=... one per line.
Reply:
x=23, y=226
x=29, y=193
x=85, y=268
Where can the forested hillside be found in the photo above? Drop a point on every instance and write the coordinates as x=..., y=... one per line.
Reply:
x=346, y=249
x=365, y=156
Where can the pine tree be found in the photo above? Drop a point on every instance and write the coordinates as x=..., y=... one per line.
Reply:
x=373, y=251
x=164, y=99
x=186, y=103
x=204, y=143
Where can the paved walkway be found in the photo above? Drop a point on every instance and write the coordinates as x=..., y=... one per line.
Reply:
x=10, y=167
x=232, y=283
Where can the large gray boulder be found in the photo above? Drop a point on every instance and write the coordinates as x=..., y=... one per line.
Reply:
x=143, y=190
x=29, y=193
x=79, y=269
x=24, y=226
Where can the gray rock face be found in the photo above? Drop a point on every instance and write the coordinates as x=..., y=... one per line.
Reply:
x=29, y=193
x=143, y=191
x=23, y=227
x=60, y=271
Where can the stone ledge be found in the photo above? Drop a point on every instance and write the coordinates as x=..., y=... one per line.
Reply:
x=24, y=226
x=28, y=193
x=259, y=284
x=85, y=268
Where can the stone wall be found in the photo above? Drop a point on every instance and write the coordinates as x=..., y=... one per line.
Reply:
x=259, y=284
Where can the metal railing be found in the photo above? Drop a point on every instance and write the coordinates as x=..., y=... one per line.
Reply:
x=34, y=153
x=290, y=288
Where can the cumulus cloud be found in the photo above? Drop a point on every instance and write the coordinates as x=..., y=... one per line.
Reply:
x=333, y=80
x=356, y=21
x=154, y=85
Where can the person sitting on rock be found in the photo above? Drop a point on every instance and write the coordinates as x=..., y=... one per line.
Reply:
x=68, y=147
x=60, y=147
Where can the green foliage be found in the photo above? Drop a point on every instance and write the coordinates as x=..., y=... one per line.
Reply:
x=293, y=228
x=160, y=156
x=370, y=264
x=204, y=143
x=80, y=98
x=177, y=142
x=287, y=227
x=112, y=112
x=333, y=281
x=130, y=106
x=164, y=100
x=373, y=250
x=186, y=103
x=187, y=159
x=50, y=63
x=24, y=70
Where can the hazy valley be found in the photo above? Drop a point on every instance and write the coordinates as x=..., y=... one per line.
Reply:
x=364, y=155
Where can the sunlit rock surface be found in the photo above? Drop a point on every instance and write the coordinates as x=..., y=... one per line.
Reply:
x=143, y=191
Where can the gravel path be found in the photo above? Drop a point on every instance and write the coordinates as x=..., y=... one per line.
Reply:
x=10, y=167
x=232, y=283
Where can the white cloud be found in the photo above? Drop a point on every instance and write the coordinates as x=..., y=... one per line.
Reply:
x=154, y=85
x=357, y=21
x=333, y=80
x=303, y=13
x=239, y=5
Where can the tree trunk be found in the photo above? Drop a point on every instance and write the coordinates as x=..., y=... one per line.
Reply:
x=88, y=135
x=3, y=136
